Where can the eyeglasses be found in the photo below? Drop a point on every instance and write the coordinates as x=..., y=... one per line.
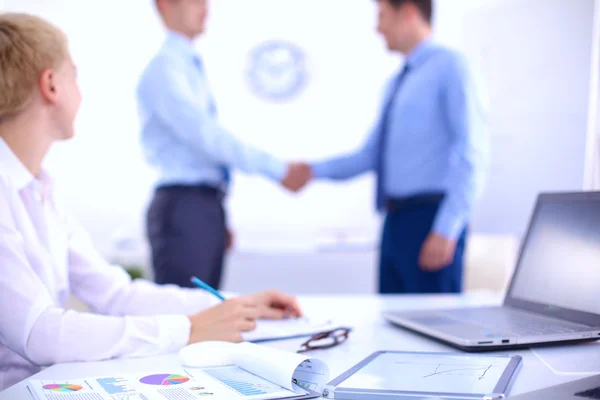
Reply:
x=325, y=340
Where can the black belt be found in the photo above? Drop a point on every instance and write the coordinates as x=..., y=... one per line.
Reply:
x=204, y=189
x=401, y=203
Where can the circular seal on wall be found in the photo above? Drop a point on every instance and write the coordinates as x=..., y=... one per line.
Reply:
x=277, y=70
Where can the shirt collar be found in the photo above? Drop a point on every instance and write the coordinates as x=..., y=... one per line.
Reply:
x=420, y=53
x=15, y=171
x=180, y=43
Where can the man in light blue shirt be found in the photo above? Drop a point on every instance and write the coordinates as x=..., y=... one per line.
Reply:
x=429, y=151
x=192, y=154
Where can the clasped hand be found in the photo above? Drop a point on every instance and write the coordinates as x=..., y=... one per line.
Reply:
x=297, y=177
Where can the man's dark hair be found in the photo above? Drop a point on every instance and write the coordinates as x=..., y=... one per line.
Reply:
x=424, y=6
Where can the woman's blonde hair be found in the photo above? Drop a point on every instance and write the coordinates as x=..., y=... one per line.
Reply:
x=28, y=46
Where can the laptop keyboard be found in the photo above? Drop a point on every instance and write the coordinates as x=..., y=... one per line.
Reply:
x=590, y=394
x=515, y=322
x=531, y=328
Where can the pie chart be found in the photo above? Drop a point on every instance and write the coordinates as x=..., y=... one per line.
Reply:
x=65, y=388
x=164, y=379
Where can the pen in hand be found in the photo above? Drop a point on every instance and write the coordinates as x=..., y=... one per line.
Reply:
x=203, y=285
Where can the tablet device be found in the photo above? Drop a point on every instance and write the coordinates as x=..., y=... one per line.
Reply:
x=410, y=375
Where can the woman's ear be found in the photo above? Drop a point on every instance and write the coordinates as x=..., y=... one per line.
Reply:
x=47, y=84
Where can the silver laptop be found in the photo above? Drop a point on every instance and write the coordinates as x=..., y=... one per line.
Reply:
x=554, y=295
x=582, y=389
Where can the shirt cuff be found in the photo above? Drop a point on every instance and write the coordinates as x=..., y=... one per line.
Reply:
x=275, y=169
x=196, y=300
x=448, y=226
x=175, y=332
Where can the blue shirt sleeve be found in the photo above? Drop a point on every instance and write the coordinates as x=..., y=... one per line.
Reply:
x=173, y=101
x=363, y=160
x=349, y=165
x=466, y=117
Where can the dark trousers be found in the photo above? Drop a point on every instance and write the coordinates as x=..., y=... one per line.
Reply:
x=187, y=233
x=404, y=233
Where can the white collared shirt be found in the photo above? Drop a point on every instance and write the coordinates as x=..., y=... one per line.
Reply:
x=45, y=257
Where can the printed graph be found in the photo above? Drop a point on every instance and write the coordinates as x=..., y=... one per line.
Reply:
x=164, y=379
x=243, y=382
x=115, y=385
x=62, y=387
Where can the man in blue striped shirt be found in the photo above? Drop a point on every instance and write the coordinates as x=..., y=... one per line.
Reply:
x=192, y=153
x=429, y=150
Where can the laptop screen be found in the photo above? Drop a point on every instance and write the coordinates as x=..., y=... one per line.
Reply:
x=559, y=264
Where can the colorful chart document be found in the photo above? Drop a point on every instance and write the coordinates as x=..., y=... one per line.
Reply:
x=227, y=382
x=242, y=371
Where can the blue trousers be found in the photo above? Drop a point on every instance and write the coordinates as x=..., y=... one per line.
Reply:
x=404, y=233
x=186, y=230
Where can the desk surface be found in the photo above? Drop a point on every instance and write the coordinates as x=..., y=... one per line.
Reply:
x=370, y=334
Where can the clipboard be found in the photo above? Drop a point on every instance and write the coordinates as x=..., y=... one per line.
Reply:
x=395, y=375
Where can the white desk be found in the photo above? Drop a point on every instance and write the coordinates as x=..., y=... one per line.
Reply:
x=371, y=333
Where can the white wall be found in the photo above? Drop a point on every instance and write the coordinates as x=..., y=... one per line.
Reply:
x=111, y=42
x=535, y=55
x=593, y=157
x=102, y=170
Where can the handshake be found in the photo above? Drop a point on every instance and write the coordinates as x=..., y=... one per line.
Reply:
x=297, y=177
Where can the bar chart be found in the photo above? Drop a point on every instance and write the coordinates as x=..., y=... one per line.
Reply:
x=114, y=385
x=244, y=383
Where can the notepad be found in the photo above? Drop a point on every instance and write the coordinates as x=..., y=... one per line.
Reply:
x=267, y=330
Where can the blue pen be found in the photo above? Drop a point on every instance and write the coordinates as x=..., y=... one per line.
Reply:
x=198, y=283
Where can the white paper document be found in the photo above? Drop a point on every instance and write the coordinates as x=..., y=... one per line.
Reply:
x=229, y=382
x=288, y=328
x=242, y=371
